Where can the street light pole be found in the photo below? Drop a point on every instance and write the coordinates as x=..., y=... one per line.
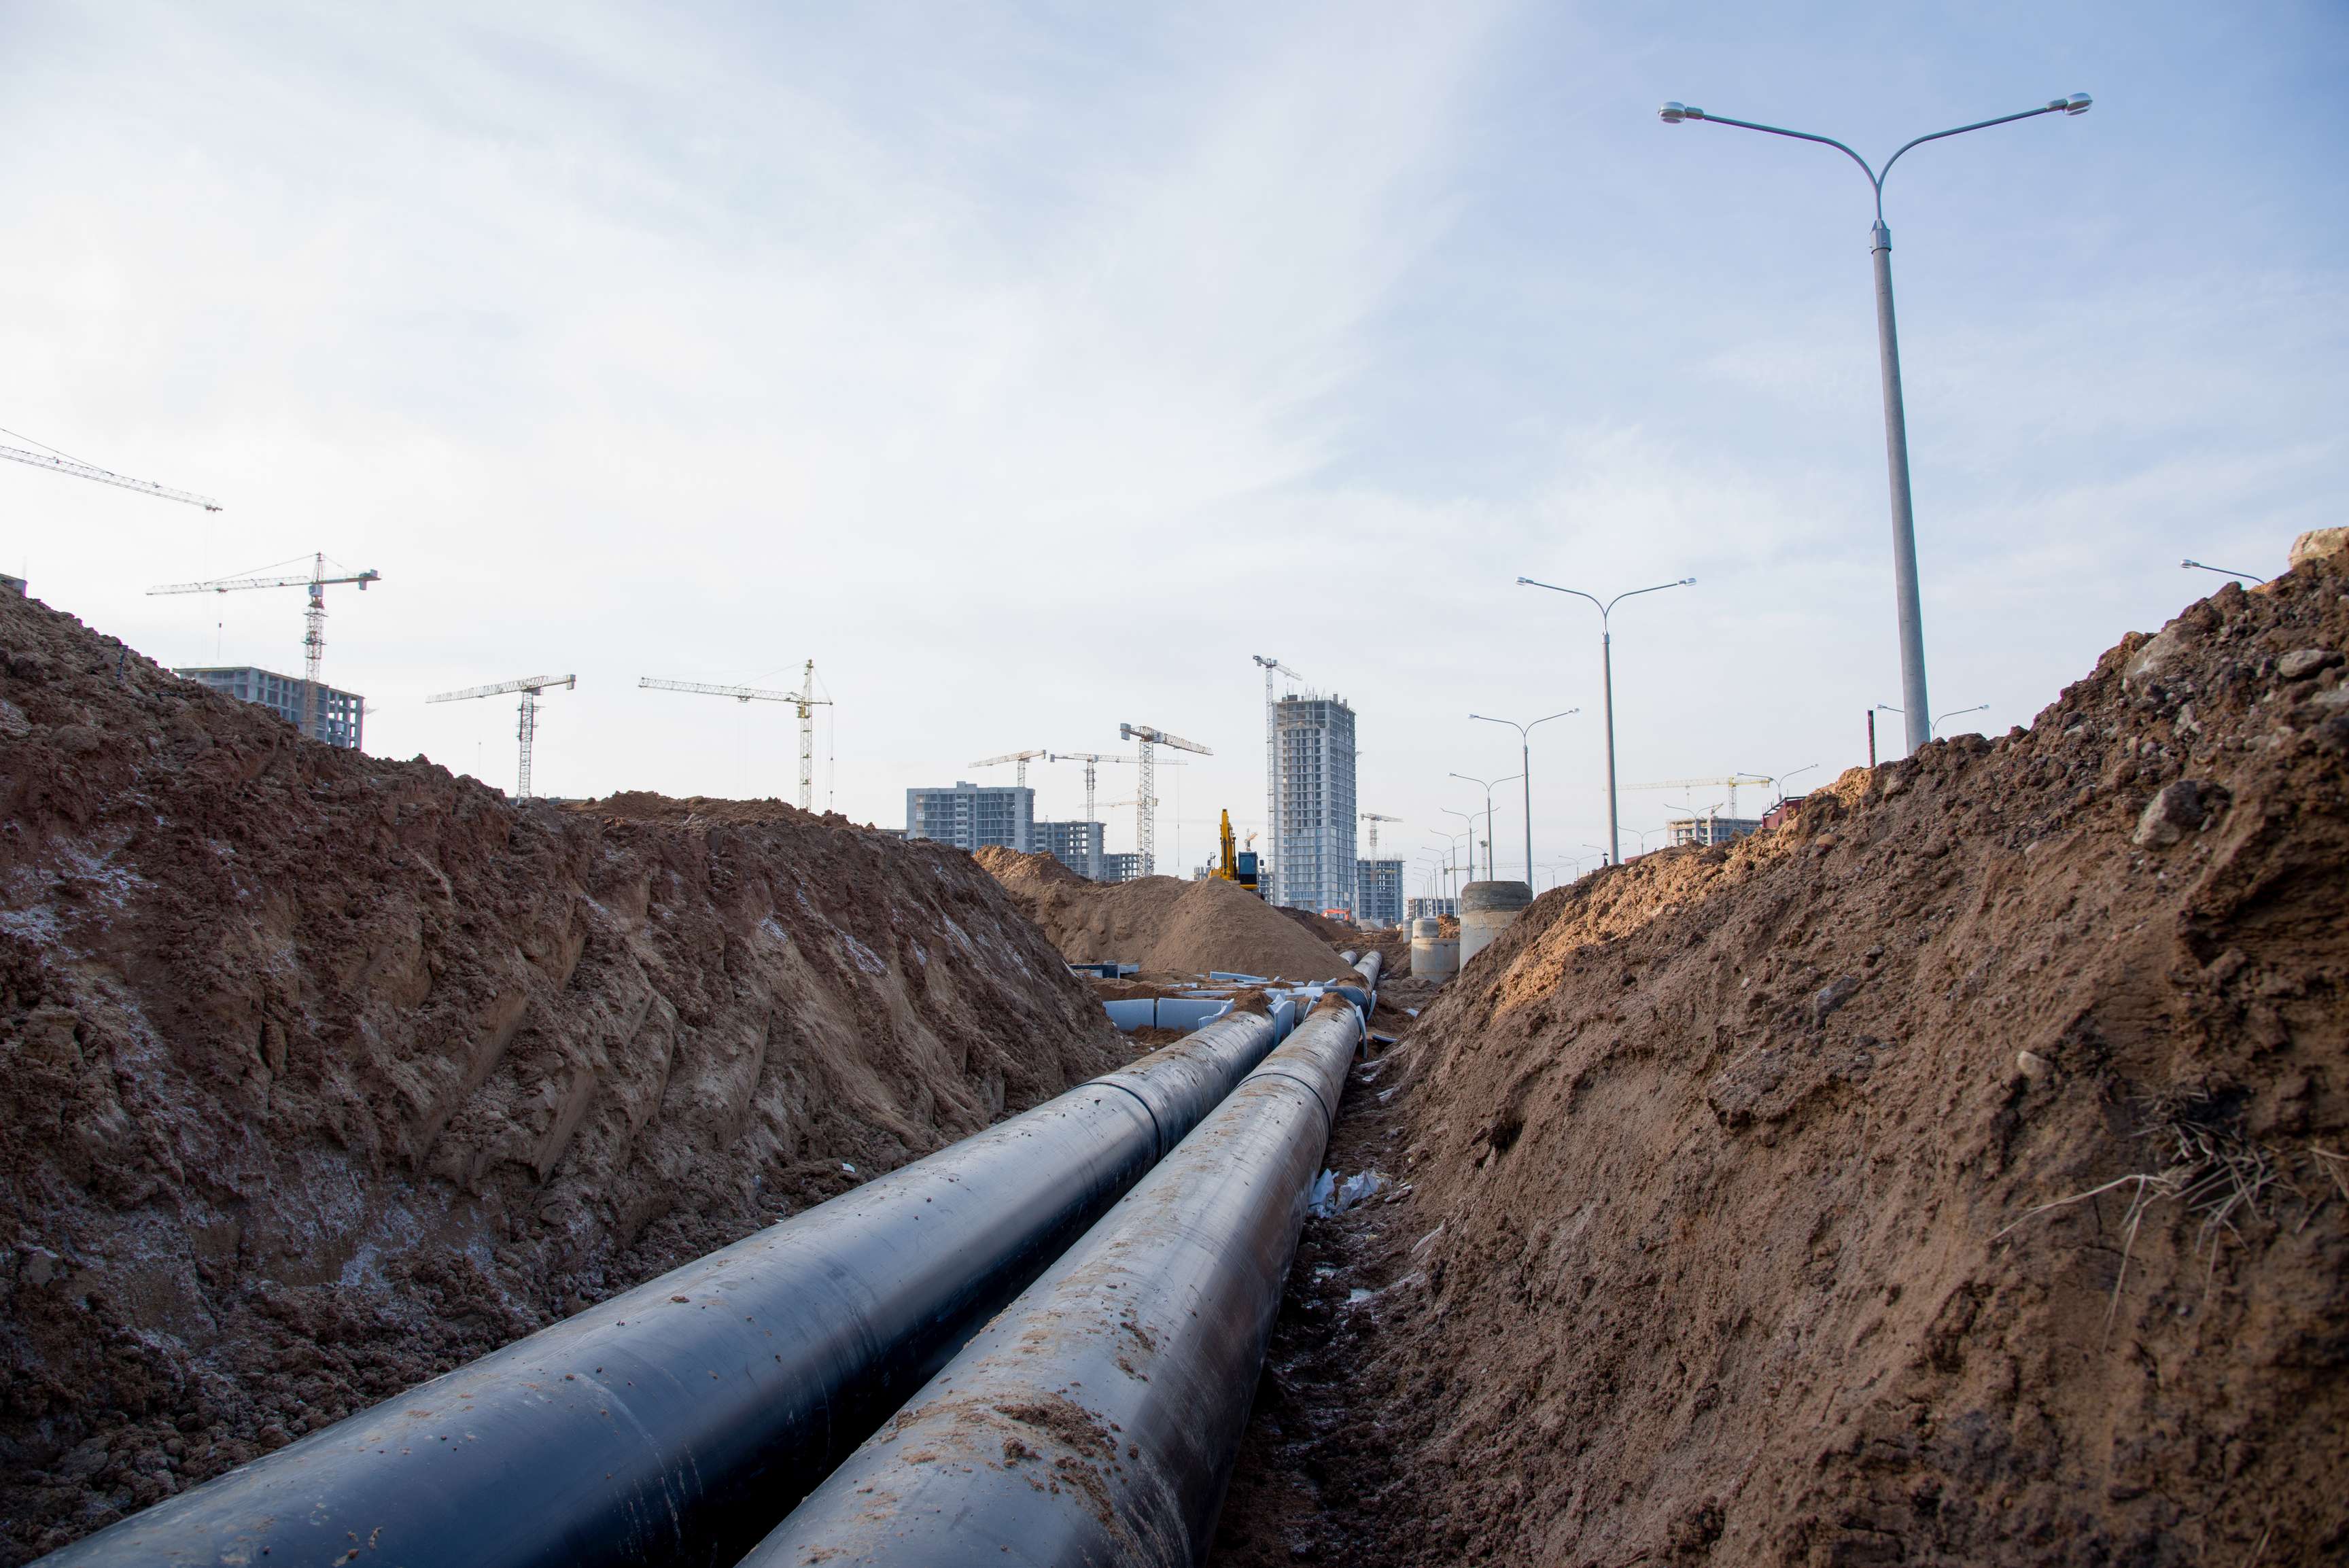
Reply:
x=2193, y=565
x=1486, y=785
x=1469, y=818
x=1934, y=727
x=1896, y=419
x=1526, y=767
x=1607, y=685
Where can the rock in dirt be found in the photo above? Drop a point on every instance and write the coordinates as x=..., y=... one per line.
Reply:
x=321, y=1074
x=2177, y=809
x=1745, y=1286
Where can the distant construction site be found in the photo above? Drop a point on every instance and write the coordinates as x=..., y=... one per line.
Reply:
x=1128, y=787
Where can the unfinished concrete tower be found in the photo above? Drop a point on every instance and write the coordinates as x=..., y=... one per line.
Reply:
x=1314, y=742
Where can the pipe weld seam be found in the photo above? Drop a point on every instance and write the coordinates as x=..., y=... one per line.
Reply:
x=1329, y=1114
x=1157, y=1133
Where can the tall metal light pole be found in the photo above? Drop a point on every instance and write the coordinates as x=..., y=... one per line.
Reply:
x=1487, y=785
x=1896, y=419
x=1606, y=676
x=1525, y=761
x=1469, y=818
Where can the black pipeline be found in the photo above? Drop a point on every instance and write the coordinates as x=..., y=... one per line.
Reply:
x=676, y=1423
x=1097, y=1419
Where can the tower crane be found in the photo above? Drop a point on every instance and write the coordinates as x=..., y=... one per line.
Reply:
x=1145, y=806
x=314, y=635
x=1022, y=758
x=1373, y=818
x=1733, y=783
x=805, y=699
x=1269, y=872
x=1092, y=759
x=58, y=463
x=530, y=687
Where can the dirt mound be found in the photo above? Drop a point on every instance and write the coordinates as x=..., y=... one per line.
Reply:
x=1163, y=924
x=1959, y=1174
x=320, y=1074
x=1336, y=933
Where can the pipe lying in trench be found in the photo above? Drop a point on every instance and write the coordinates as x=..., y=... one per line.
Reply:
x=1096, y=1422
x=676, y=1423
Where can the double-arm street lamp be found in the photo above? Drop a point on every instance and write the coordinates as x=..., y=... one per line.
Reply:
x=1607, y=686
x=1931, y=729
x=1896, y=422
x=1526, y=764
x=1469, y=818
x=1487, y=785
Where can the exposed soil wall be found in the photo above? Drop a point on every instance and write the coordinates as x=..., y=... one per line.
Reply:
x=320, y=1074
x=1958, y=1175
x=1164, y=924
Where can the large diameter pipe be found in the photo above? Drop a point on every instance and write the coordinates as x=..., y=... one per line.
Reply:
x=1097, y=1420
x=675, y=1423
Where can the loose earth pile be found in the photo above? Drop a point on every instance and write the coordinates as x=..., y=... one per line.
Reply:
x=1960, y=1175
x=321, y=1074
x=1164, y=924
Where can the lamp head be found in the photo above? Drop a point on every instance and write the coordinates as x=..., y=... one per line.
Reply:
x=2078, y=103
x=1673, y=113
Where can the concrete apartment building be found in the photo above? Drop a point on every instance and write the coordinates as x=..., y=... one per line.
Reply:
x=1313, y=740
x=1076, y=845
x=1378, y=893
x=342, y=715
x=973, y=815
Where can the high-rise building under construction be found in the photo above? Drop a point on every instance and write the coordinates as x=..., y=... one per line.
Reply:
x=1313, y=742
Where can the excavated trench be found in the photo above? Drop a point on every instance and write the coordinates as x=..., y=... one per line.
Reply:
x=1958, y=1173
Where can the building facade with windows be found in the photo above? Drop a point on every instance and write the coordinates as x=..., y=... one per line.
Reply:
x=1076, y=845
x=1378, y=893
x=1313, y=740
x=342, y=715
x=973, y=815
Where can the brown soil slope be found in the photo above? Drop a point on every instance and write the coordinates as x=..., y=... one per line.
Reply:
x=1164, y=924
x=320, y=1073
x=1961, y=1175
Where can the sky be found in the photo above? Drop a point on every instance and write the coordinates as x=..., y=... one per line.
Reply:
x=1030, y=367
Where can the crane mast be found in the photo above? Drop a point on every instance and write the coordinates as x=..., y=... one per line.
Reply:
x=526, y=728
x=313, y=632
x=1268, y=867
x=1022, y=758
x=1146, y=804
x=804, y=700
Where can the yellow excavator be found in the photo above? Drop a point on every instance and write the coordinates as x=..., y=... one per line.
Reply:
x=1237, y=865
